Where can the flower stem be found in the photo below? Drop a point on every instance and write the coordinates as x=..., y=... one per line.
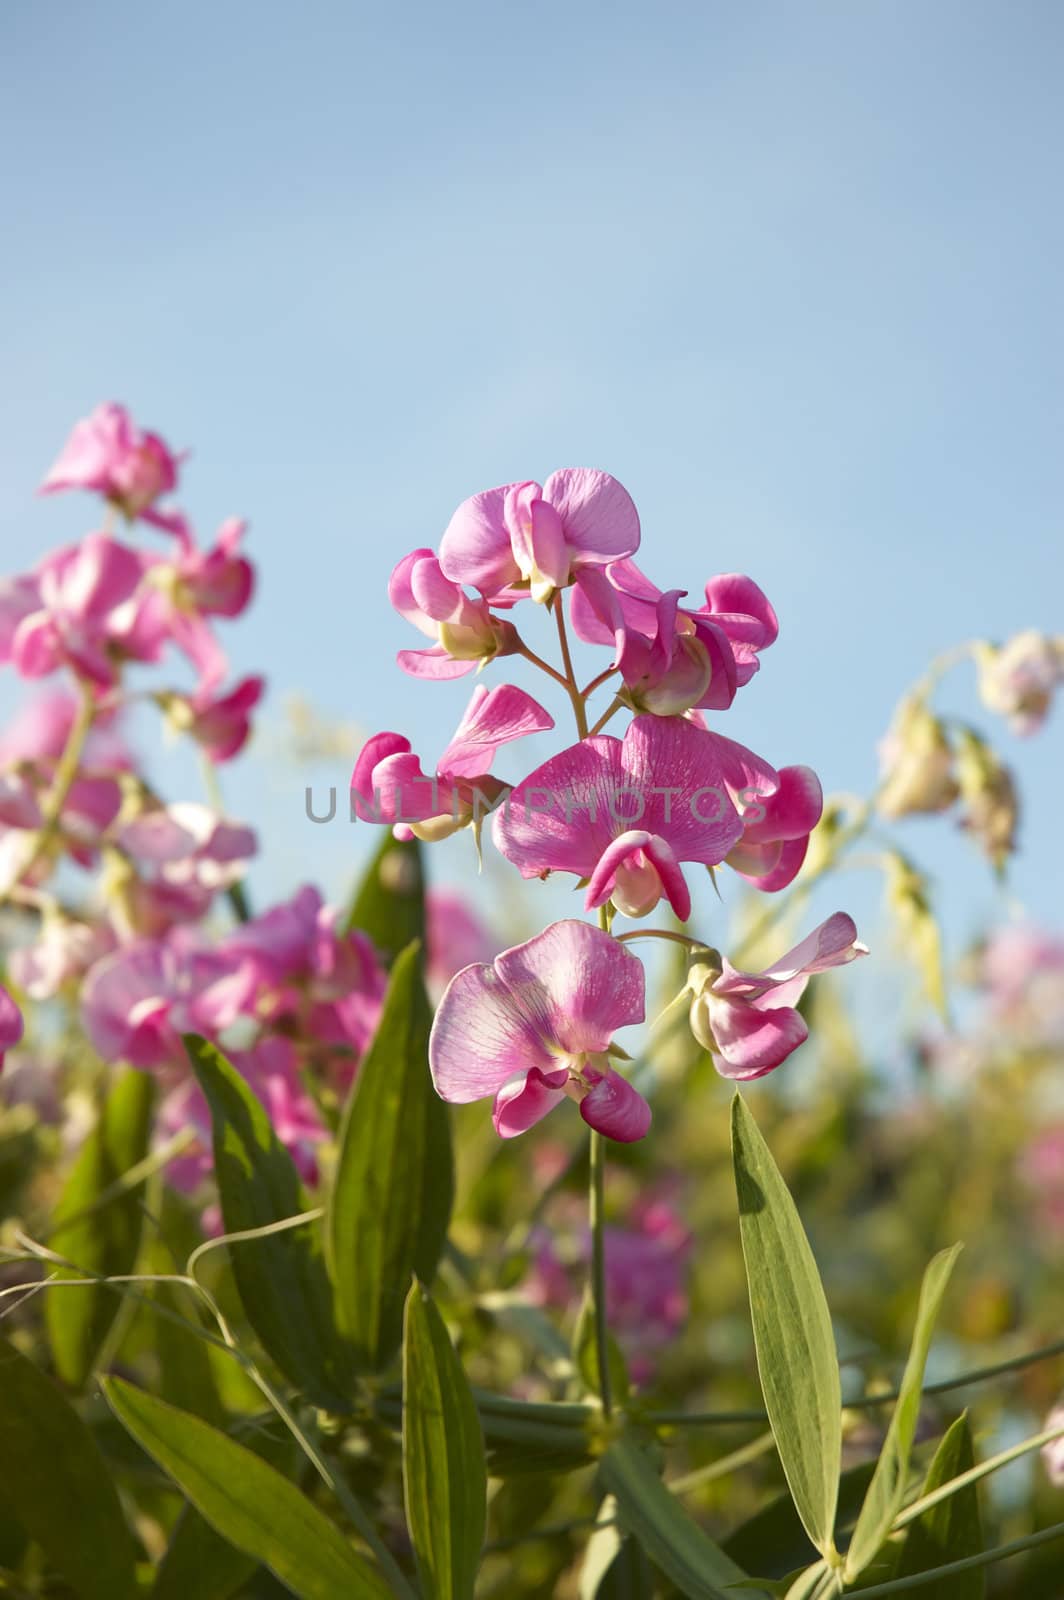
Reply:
x=597, y=1208
x=66, y=773
x=610, y=711
x=572, y=689
x=544, y=666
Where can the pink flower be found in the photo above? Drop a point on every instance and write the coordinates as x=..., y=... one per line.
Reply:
x=109, y=454
x=79, y=615
x=65, y=950
x=310, y=975
x=1019, y=679
x=624, y=814
x=527, y=538
x=183, y=855
x=10, y=1023
x=137, y=1003
x=389, y=785
x=672, y=659
x=773, y=846
x=221, y=724
x=747, y=1019
x=537, y=1025
x=464, y=630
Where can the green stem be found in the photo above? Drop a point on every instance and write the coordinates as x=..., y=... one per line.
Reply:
x=597, y=1207
x=63, y=781
x=605, y=717
x=575, y=697
x=544, y=666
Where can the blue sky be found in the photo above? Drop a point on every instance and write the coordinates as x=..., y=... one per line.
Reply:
x=792, y=273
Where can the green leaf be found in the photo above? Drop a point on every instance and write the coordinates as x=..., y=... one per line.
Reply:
x=100, y=1235
x=585, y=1354
x=247, y=1501
x=444, y=1475
x=55, y=1481
x=676, y=1544
x=281, y=1279
x=796, y=1356
x=884, y=1497
x=198, y=1560
x=389, y=904
x=391, y=1199
x=953, y=1529
x=614, y=1566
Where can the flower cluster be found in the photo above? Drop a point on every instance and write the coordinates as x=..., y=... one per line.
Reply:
x=625, y=816
x=131, y=936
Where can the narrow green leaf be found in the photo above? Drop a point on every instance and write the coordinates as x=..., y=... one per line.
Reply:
x=100, y=1235
x=884, y=1497
x=585, y=1355
x=672, y=1540
x=951, y=1530
x=281, y=1279
x=444, y=1475
x=391, y=1200
x=247, y=1501
x=614, y=1566
x=55, y=1481
x=198, y=1560
x=389, y=904
x=796, y=1356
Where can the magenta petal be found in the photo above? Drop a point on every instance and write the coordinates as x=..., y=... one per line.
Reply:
x=483, y=1036
x=520, y=1104
x=599, y=515
x=492, y=718
x=770, y=867
x=434, y=663
x=577, y=983
x=475, y=547
x=751, y=1041
x=615, y=1108
x=793, y=811
x=10, y=1022
x=833, y=944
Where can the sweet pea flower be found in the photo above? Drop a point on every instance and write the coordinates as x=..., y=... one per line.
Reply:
x=776, y=829
x=527, y=538
x=180, y=857
x=389, y=785
x=624, y=814
x=537, y=1025
x=78, y=617
x=138, y=1002
x=464, y=630
x=672, y=658
x=1018, y=679
x=10, y=1023
x=64, y=951
x=311, y=974
x=184, y=592
x=747, y=1020
x=220, y=724
x=110, y=455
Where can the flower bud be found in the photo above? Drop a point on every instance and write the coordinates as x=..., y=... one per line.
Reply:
x=989, y=798
x=1017, y=680
x=916, y=763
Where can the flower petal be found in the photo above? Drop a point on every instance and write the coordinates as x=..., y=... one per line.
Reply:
x=599, y=515
x=520, y=1104
x=615, y=1108
x=577, y=983
x=483, y=1036
x=492, y=718
x=751, y=1041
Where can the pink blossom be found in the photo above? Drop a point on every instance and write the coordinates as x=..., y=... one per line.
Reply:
x=310, y=974
x=389, y=785
x=526, y=538
x=183, y=855
x=271, y=1069
x=671, y=658
x=221, y=724
x=463, y=630
x=110, y=455
x=65, y=949
x=138, y=1002
x=40, y=729
x=79, y=614
x=10, y=1023
x=1019, y=679
x=748, y=1019
x=537, y=1025
x=624, y=814
x=773, y=846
